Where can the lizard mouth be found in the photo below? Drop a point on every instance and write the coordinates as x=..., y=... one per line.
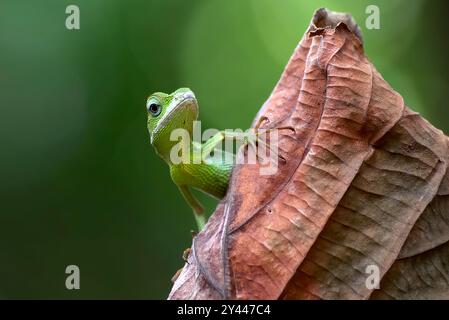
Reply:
x=179, y=107
x=185, y=103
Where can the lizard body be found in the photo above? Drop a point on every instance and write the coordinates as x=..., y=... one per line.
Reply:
x=167, y=112
x=179, y=110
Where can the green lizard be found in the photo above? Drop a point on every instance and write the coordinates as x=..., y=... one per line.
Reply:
x=179, y=110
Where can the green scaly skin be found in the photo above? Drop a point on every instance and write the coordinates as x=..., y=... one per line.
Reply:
x=167, y=112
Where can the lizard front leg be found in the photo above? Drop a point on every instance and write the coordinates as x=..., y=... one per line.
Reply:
x=249, y=138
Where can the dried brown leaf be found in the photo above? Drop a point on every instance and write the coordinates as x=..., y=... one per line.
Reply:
x=364, y=183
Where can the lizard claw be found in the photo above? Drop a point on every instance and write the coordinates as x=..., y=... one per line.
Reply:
x=185, y=257
x=287, y=128
x=261, y=120
x=282, y=158
x=186, y=254
x=176, y=275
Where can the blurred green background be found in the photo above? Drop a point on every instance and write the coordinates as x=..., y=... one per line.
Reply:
x=81, y=184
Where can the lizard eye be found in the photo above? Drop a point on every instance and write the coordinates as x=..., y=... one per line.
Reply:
x=154, y=109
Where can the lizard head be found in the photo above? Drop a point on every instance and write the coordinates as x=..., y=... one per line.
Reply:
x=167, y=112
